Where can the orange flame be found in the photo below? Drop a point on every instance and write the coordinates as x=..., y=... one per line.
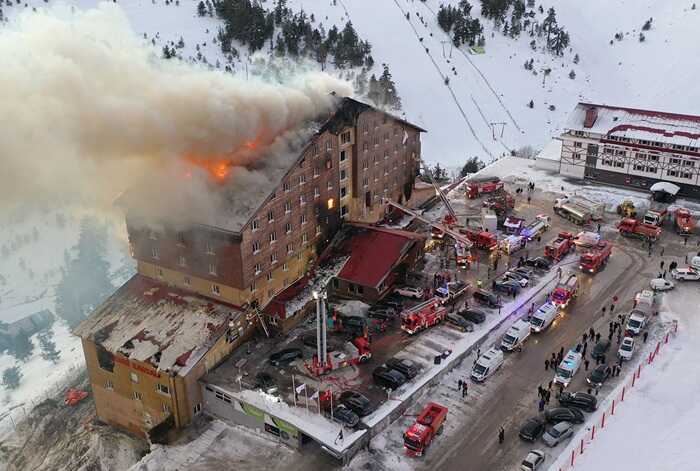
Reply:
x=218, y=167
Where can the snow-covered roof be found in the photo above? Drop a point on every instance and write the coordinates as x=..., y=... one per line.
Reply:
x=151, y=322
x=551, y=151
x=630, y=123
x=665, y=186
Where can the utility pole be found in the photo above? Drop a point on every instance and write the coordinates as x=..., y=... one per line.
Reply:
x=493, y=128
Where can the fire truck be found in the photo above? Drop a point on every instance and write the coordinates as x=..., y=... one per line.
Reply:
x=683, y=222
x=500, y=202
x=478, y=187
x=352, y=353
x=428, y=424
x=656, y=215
x=482, y=239
x=536, y=227
x=422, y=316
x=574, y=213
x=462, y=255
x=597, y=210
x=565, y=292
x=513, y=225
x=595, y=258
x=633, y=228
x=560, y=247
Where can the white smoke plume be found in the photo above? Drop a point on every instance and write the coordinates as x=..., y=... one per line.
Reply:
x=88, y=108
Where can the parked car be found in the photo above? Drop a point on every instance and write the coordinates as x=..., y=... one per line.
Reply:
x=333, y=341
x=525, y=271
x=626, y=348
x=285, y=357
x=353, y=323
x=540, y=263
x=557, y=433
x=659, y=284
x=410, y=292
x=597, y=377
x=507, y=286
x=266, y=382
x=533, y=461
x=685, y=274
x=459, y=322
x=564, y=414
x=408, y=368
x=515, y=276
x=600, y=349
x=532, y=429
x=344, y=415
x=636, y=323
x=386, y=314
x=473, y=315
x=579, y=400
x=486, y=298
x=388, y=377
x=356, y=402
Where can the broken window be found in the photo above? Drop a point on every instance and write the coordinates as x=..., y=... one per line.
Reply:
x=105, y=359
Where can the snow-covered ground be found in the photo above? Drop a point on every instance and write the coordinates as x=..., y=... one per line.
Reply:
x=655, y=427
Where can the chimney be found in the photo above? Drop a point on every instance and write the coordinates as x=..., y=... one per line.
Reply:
x=591, y=116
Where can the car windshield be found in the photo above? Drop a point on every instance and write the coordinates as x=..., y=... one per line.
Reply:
x=634, y=323
x=627, y=347
x=527, y=463
x=559, y=295
x=479, y=369
x=536, y=321
x=554, y=432
x=509, y=339
x=563, y=372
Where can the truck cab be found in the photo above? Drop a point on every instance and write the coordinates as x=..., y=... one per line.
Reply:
x=568, y=367
x=487, y=364
x=429, y=423
x=565, y=292
x=515, y=336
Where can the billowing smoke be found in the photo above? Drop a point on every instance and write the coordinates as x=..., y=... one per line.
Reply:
x=88, y=108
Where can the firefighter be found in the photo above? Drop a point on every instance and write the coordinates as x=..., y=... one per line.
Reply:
x=478, y=283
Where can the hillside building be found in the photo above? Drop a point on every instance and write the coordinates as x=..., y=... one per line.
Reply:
x=190, y=303
x=632, y=147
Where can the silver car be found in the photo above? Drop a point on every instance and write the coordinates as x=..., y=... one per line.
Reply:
x=555, y=434
x=532, y=461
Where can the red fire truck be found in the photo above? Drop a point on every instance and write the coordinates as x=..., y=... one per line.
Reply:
x=422, y=316
x=428, y=424
x=481, y=239
x=684, y=222
x=595, y=258
x=352, y=353
x=463, y=256
x=478, y=187
x=565, y=292
x=500, y=203
x=632, y=228
x=560, y=247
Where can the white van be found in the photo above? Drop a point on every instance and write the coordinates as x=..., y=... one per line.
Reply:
x=646, y=298
x=636, y=323
x=516, y=335
x=568, y=367
x=543, y=317
x=487, y=364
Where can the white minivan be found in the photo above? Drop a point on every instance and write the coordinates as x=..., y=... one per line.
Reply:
x=636, y=323
x=487, y=364
x=543, y=317
x=516, y=335
x=568, y=367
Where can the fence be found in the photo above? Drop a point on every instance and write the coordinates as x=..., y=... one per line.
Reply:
x=579, y=444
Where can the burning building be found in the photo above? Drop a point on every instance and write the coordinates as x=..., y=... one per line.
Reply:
x=189, y=305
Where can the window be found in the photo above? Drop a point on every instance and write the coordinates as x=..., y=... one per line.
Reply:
x=288, y=227
x=212, y=268
x=651, y=169
x=343, y=192
x=329, y=164
x=331, y=203
x=154, y=252
x=302, y=200
x=215, y=289
x=317, y=172
x=269, y=276
x=187, y=280
x=365, y=181
x=317, y=192
x=209, y=249
x=318, y=230
x=303, y=218
x=134, y=377
x=166, y=408
x=180, y=237
x=109, y=386
x=608, y=150
x=163, y=389
x=386, y=155
x=329, y=185
x=273, y=258
x=365, y=164
x=314, y=149
x=576, y=156
x=654, y=158
x=638, y=167
x=257, y=268
x=343, y=175
x=256, y=224
x=688, y=163
x=620, y=164
x=270, y=216
x=343, y=211
x=105, y=359
x=182, y=261
x=136, y=396
x=578, y=144
x=256, y=247
x=198, y=408
x=273, y=237
x=345, y=137
x=288, y=207
x=253, y=287
x=342, y=156
x=286, y=282
x=290, y=248
x=365, y=147
x=302, y=179
x=578, y=133
x=304, y=238
x=640, y=156
x=285, y=267
x=285, y=186
x=153, y=235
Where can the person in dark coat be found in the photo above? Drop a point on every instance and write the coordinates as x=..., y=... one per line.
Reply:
x=673, y=266
x=541, y=405
x=501, y=435
x=597, y=337
x=585, y=347
x=644, y=337
x=561, y=352
x=591, y=333
x=546, y=365
x=585, y=364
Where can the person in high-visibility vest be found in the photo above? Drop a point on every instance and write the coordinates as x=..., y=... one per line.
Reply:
x=478, y=283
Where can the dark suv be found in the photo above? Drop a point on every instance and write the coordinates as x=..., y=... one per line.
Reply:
x=387, y=377
x=407, y=368
x=484, y=297
x=532, y=429
x=507, y=286
x=473, y=315
x=600, y=349
x=579, y=400
x=285, y=357
x=355, y=324
x=356, y=402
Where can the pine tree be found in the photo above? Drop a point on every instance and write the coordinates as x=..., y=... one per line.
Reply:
x=48, y=347
x=390, y=97
x=549, y=24
x=531, y=104
x=472, y=165
x=576, y=59
x=11, y=377
x=641, y=37
x=21, y=347
x=647, y=24
x=201, y=9
x=572, y=74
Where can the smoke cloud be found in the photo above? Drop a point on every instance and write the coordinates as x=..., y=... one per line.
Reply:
x=87, y=108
